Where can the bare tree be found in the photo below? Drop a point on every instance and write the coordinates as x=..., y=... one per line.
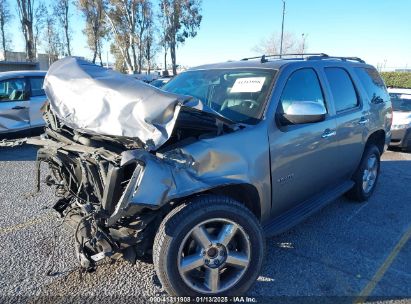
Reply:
x=271, y=45
x=5, y=17
x=40, y=16
x=53, y=44
x=181, y=19
x=26, y=9
x=62, y=13
x=93, y=11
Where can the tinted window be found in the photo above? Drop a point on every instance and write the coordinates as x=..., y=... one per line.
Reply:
x=302, y=85
x=373, y=84
x=342, y=89
x=36, y=84
x=12, y=90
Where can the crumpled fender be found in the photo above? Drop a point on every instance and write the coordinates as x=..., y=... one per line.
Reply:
x=241, y=157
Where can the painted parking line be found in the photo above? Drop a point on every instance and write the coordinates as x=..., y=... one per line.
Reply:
x=29, y=223
x=383, y=268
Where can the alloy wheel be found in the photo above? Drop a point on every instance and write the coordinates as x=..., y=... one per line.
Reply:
x=370, y=174
x=214, y=256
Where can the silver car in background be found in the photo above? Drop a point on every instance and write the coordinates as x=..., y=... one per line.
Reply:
x=21, y=98
x=401, y=120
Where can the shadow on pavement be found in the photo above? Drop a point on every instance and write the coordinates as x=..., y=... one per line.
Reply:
x=335, y=253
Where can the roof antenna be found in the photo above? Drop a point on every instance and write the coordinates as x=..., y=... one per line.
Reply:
x=263, y=59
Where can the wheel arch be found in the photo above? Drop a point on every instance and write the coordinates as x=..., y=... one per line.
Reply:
x=377, y=138
x=244, y=193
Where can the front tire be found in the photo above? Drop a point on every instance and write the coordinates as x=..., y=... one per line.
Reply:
x=210, y=245
x=366, y=176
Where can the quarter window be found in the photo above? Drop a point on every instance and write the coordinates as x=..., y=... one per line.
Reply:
x=373, y=84
x=302, y=85
x=342, y=89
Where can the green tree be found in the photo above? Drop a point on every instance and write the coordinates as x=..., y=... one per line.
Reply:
x=129, y=20
x=150, y=47
x=180, y=20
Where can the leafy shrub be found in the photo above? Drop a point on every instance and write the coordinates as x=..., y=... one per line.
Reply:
x=397, y=79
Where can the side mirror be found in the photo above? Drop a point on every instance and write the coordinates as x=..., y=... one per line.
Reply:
x=302, y=112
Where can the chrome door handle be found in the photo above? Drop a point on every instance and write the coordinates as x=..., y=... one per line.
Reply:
x=363, y=121
x=329, y=133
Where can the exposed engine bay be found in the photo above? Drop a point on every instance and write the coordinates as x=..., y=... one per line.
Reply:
x=94, y=178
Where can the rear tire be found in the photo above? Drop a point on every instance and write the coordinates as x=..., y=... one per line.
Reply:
x=366, y=176
x=211, y=245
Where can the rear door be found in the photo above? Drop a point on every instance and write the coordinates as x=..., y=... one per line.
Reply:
x=14, y=105
x=352, y=119
x=37, y=100
x=303, y=157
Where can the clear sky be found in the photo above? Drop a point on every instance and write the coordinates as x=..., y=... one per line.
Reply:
x=376, y=30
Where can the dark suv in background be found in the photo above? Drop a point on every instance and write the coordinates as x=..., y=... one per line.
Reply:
x=197, y=174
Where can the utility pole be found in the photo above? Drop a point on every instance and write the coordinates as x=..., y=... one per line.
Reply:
x=282, y=31
x=303, y=36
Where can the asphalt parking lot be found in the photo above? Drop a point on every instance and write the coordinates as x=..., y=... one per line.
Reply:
x=346, y=250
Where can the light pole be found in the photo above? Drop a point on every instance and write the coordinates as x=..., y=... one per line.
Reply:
x=303, y=36
x=282, y=31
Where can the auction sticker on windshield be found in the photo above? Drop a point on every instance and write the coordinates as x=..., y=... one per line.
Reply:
x=248, y=85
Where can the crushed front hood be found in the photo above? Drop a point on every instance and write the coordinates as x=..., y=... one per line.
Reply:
x=95, y=100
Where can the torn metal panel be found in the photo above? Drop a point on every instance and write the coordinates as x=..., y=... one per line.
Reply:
x=200, y=166
x=95, y=100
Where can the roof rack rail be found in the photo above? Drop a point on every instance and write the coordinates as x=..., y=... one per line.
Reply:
x=306, y=56
x=325, y=56
x=302, y=55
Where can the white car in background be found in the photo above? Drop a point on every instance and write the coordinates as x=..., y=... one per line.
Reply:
x=21, y=99
x=401, y=123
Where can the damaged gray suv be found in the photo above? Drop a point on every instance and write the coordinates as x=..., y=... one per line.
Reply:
x=198, y=174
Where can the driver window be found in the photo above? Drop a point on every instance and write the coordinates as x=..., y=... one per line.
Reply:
x=12, y=90
x=302, y=85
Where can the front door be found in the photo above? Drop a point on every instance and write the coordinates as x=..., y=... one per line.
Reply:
x=303, y=157
x=14, y=106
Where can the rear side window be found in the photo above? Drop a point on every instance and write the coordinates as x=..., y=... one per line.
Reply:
x=373, y=84
x=36, y=84
x=302, y=85
x=342, y=89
